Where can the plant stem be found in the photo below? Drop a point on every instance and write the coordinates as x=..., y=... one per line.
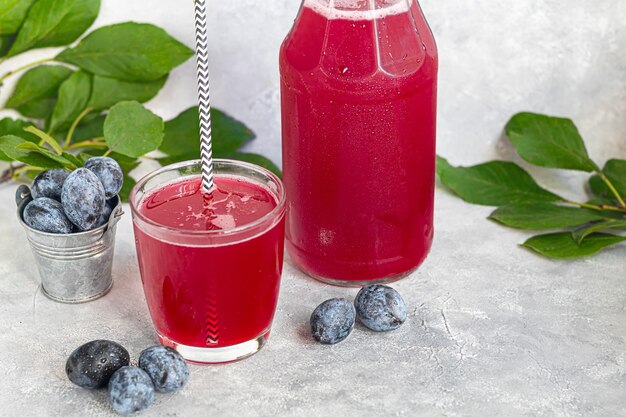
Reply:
x=613, y=208
x=70, y=133
x=107, y=153
x=7, y=174
x=25, y=67
x=612, y=188
x=94, y=143
x=20, y=171
x=597, y=208
x=583, y=205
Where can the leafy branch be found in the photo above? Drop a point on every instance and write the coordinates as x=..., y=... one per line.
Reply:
x=86, y=101
x=550, y=142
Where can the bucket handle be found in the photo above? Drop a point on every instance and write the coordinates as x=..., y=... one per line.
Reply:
x=115, y=217
x=22, y=194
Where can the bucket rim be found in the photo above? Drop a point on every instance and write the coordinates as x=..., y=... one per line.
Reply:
x=27, y=198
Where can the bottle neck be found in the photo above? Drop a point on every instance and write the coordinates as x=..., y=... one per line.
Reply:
x=359, y=5
x=358, y=9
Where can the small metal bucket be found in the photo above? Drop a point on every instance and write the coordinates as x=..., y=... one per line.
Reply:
x=74, y=268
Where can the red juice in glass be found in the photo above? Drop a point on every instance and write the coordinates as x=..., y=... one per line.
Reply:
x=211, y=268
x=359, y=87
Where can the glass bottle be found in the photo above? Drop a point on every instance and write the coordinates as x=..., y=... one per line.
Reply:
x=359, y=98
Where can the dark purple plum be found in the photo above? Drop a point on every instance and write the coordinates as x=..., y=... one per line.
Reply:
x=131, y=390
x=92, y=364
x=49, y=184
x=167, y=368
x=46, y=215
x=104, y=218
x=83, y=199
x=380, y=308
x=333, y=321
x=108, y=172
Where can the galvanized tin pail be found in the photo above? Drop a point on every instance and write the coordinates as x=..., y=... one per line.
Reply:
x=74, y=268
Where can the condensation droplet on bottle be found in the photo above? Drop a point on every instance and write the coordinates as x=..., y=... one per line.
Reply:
x=343, y=69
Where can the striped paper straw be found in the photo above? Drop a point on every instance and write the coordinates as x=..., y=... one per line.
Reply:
x=204, y=96
x=211, y=327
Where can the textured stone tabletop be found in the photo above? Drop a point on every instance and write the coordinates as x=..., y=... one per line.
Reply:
x=494, y=330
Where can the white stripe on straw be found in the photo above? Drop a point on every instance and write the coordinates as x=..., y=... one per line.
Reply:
x=204, y=96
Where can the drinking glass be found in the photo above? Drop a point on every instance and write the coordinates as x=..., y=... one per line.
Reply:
x=212, y=294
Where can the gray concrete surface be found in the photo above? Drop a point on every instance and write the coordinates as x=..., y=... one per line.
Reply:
x=494, y=330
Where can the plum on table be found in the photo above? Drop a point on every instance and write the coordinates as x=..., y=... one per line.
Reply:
x=333, y=321
x=167, y=368
x=380, y=308
x=92, y=364
x=131, y=390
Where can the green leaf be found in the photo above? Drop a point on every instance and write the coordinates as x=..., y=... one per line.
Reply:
x=599, y=188
x=74, y=95
x=599, y=202
x=31, y=174
x=615, y=170
x=246, y=157
x=73, y=159
x=40, y=109
x=6, y=41
x=182, y=134
x=229, y=134
x=45, y=138
x=89, y=128
x=4, y=157
x=127, y=163
x=128, y=51
x=254, y=159
x=10, y=146
x=582, y=233
x=496, y=183
x=16, y=127
x=563, y=245
x=536, y=216
x=12, y=14
x=174, y=159
x=109, y=91
x=55, y=23
x=549, y=142
x=36, y=91
x=133, y=130
x=29, y=146
x=127, y=187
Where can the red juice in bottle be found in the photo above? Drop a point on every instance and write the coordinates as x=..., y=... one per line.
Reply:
x=359, y=87
x=211, y=269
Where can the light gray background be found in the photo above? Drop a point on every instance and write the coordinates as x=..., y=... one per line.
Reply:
x=493, y=330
